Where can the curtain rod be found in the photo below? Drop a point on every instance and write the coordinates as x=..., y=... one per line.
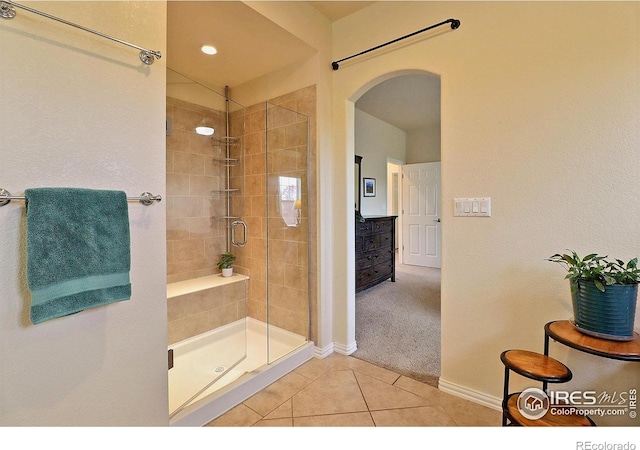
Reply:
x=455, y=23
x=7, y=11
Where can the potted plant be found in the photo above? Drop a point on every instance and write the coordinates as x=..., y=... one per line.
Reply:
x=226, y=263
x=603, y=293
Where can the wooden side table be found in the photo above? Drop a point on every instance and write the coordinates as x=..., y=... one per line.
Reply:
x=564, y=332
x=536, y=367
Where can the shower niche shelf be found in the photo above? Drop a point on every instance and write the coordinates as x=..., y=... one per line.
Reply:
x=229, y=162
x=225, y=191
x=225, y=140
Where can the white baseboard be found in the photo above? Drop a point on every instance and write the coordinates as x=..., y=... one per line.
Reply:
x=333, y=347
x=345, y=349
x=471, y=395
x=323, y=352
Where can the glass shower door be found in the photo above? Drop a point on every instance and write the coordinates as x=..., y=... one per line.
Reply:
x=287, y=231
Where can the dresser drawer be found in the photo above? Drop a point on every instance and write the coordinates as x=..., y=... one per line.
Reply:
x=383, y=226
x=369, y=259
x=383, y=270
x=363, y=278
x=363, y=228
x=373, y=275
x=364, y=261
x=377, y=241
x=383, y=255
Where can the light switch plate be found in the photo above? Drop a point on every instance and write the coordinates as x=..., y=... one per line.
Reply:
x=472, y=207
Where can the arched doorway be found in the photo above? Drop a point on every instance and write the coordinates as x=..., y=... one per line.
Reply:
x=397, y=124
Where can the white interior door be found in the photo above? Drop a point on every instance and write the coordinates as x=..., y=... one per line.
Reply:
x=421, y=233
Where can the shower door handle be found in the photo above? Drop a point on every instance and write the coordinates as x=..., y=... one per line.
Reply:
x=233, y=233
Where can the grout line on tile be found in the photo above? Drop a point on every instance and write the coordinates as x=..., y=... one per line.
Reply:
x=408, y=407
x=332, y=414
x=261, y=416
x=398, y=376
x=361, y=392
x=450, y=416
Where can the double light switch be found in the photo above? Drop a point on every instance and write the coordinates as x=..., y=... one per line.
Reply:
x=472, y=207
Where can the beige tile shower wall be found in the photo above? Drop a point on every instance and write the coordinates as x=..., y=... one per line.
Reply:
x=195, y=233
x=198, y=312
x=289, y=274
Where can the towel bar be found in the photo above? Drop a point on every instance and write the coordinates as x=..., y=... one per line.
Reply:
x=8, y=11
x=146, y=198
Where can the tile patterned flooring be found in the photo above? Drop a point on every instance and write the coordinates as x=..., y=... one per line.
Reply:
x=342, y=391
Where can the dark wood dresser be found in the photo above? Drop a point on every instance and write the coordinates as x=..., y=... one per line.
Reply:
x=375, y=251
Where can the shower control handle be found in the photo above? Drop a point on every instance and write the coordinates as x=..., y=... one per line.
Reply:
x=233, y=233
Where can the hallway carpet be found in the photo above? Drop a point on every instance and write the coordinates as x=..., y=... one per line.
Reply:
x=398, y=324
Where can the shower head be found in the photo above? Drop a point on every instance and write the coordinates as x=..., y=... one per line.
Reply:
x=205, y=127
x=205, y=131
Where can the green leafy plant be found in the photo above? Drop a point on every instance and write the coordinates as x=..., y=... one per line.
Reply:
x=226, y=260
x=598, y=269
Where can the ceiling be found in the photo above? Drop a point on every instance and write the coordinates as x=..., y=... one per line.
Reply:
x=337, y=10
x=250, y=45
x=408, y=102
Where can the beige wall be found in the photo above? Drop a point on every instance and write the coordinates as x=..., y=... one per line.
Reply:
x=423, y=145
x=376, y=141
x=540, y=109
x=83, y=111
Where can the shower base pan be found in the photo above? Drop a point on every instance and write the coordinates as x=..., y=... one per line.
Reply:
x=195, y=366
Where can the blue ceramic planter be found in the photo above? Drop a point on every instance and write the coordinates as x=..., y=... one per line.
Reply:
x=609, y=314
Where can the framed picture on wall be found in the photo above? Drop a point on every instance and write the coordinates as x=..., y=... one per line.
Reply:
x=369, y=185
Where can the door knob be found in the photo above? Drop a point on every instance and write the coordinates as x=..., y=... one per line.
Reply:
x=436, y=220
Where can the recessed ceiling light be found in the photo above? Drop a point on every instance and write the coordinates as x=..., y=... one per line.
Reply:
x=209, y=49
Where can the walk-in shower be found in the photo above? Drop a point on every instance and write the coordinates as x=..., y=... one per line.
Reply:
x=242, y=189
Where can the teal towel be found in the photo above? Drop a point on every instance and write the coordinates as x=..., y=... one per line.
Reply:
x=78, y=250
